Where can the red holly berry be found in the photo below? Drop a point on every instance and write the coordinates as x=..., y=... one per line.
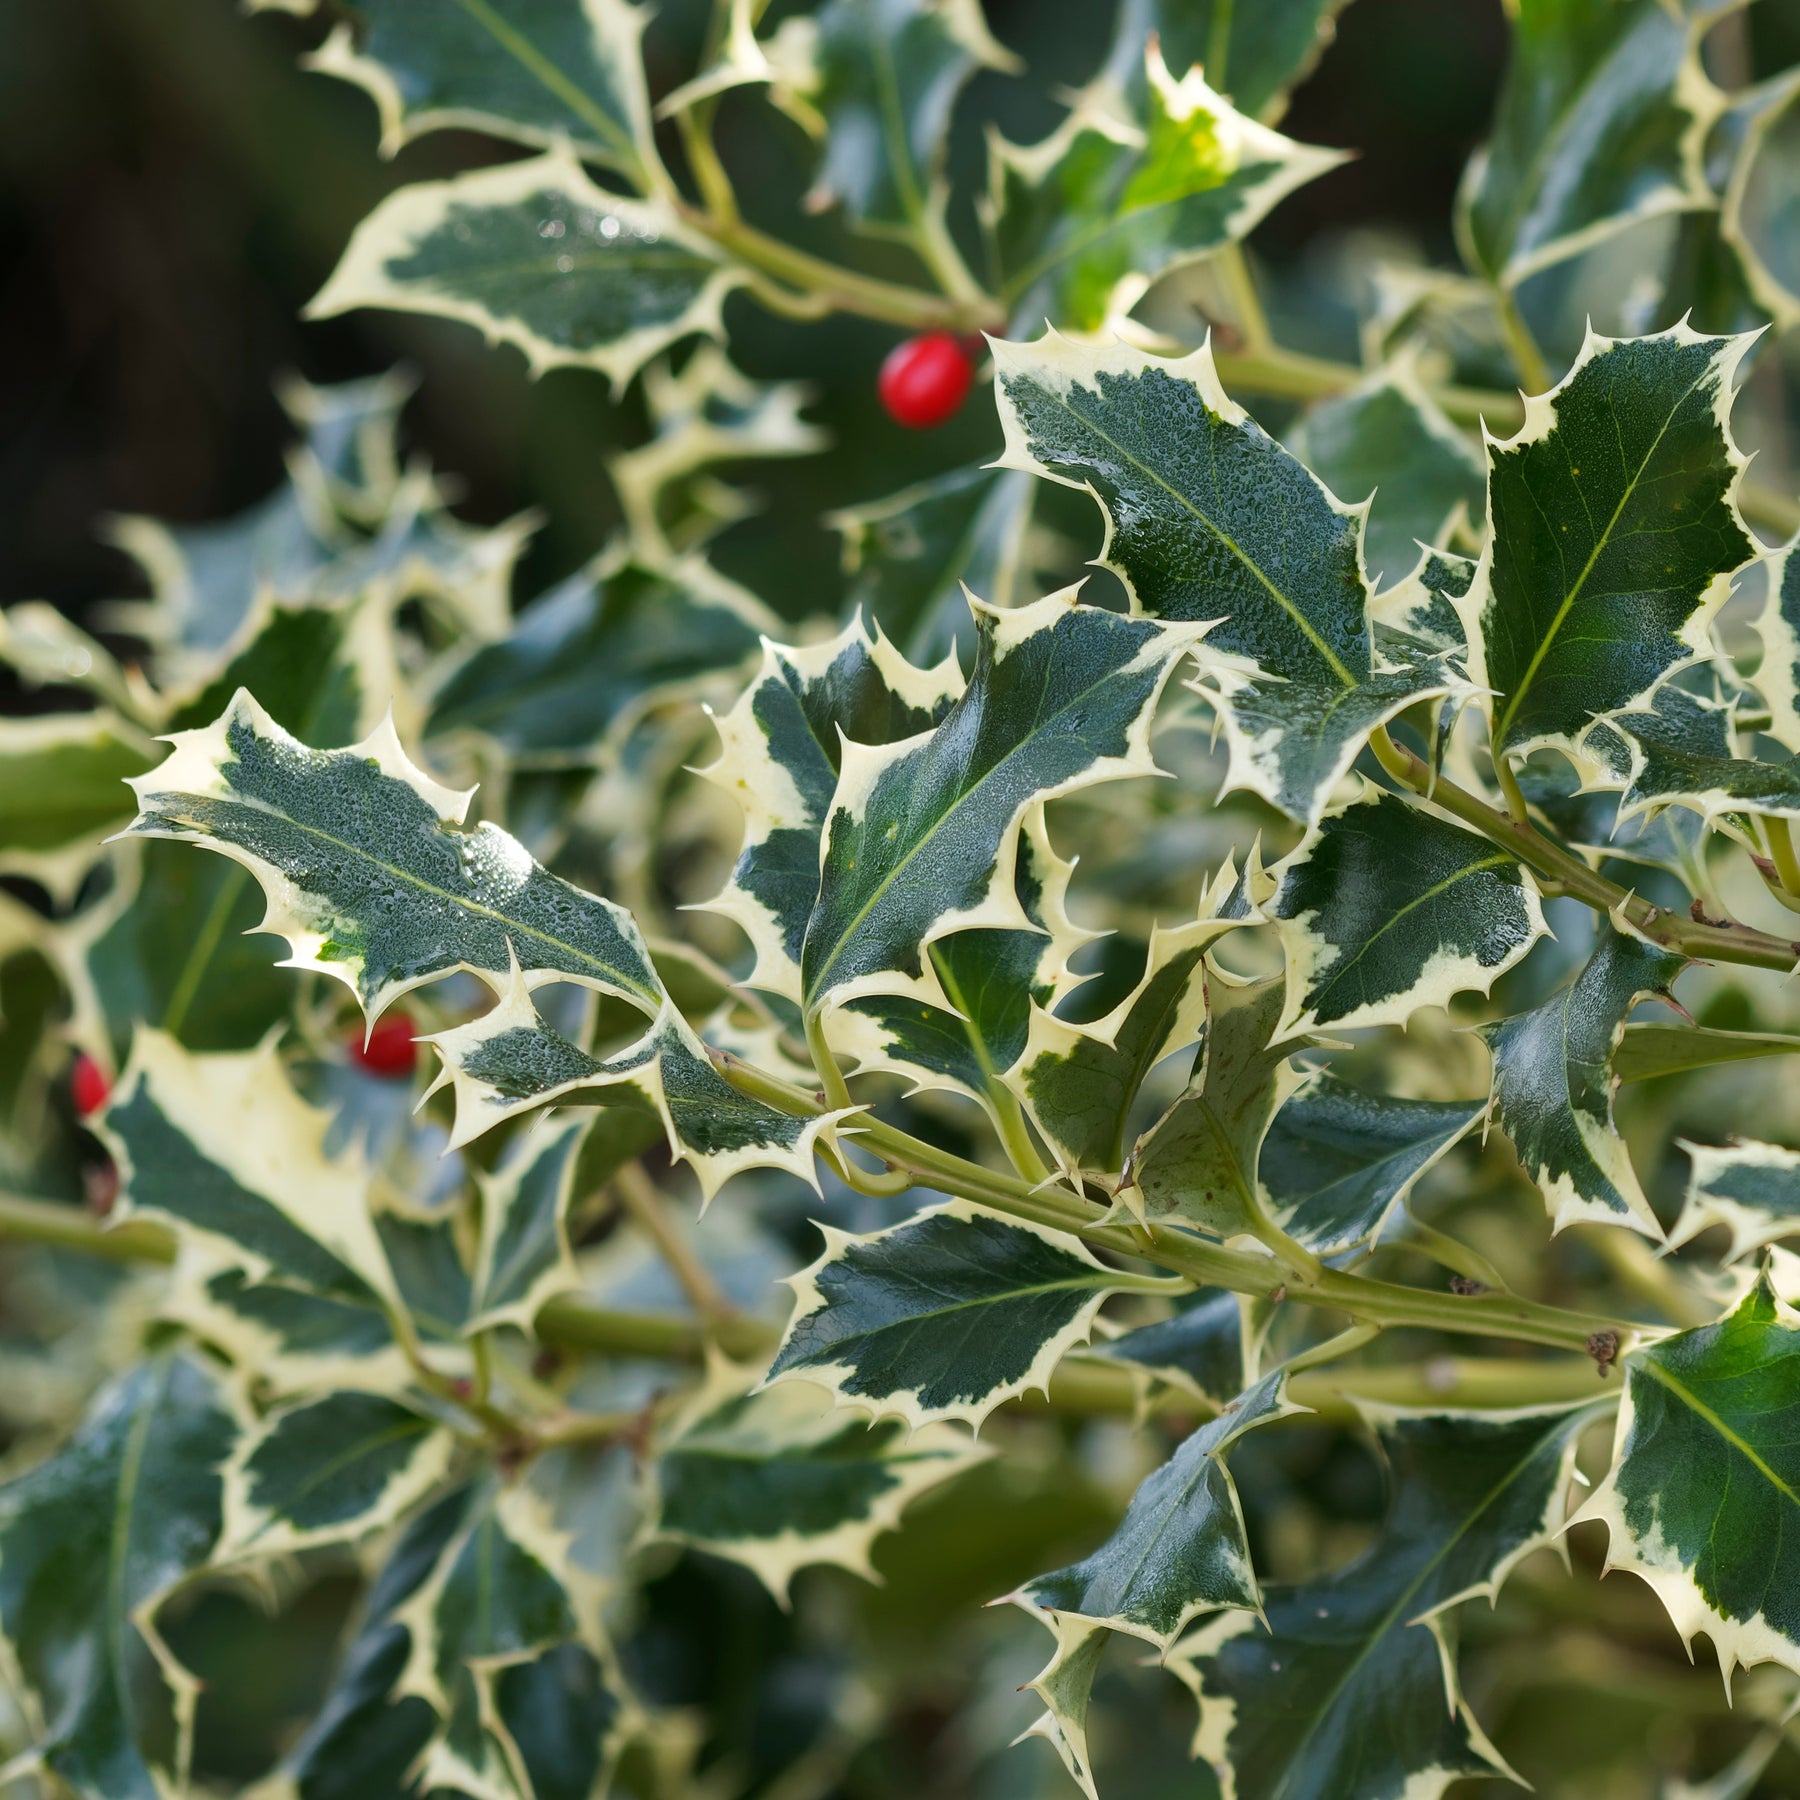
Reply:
x=390, y=1050
x=88, y=1085
x=926, y=379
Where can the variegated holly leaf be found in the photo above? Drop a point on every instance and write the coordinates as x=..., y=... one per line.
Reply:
x=875, y=82
x=1080, y=1082
x=367, y=869
x=1647, y=1050
x=92, y=1541
x=910, y=556
x=592, y=655
x=782, y=1478
x=1703, y=1499
x=1209, y=518
x=1066, y=1686
x=943, y=1316
x=710, y=413
x=524, y=1256
x=62, y=789
x=1602, y=122
x=782, y=749
x=562, y=1717
x=1180, y=1549
x=535, y=71
x=1386, y=441
x=1336, y=1161
x=223, y=1149
x=1419, y=611
x=1613, y=526
x=534, y=254
x=991, y=982
x=922, y=835
x=510, y=1061
x=327, y=1471
x=1201, y=1344
x=1351, y=1688
x=1762, y=129
x=1553, y=1086
x=1778, y=626
x=1683, y=753
x=1753, y=1190
x=1126, y=190
x=47, y=649
x=1255, y=54
x=1386, y=908
x=1198, y=1162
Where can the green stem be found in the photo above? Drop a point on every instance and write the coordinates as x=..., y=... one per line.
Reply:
x=1344, y=1344
x=1246, y=304
x=1528, y=359
x=1453, y=1254
x=1728, y=943
x=1781, y=853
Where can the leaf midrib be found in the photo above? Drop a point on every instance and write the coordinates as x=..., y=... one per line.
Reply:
x=1701, y=1410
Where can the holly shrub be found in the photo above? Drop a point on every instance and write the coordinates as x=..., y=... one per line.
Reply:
x=1211, y=1058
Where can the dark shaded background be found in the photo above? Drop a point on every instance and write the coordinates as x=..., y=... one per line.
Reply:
x=173, y=188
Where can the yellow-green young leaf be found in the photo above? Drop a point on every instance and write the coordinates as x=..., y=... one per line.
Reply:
x=1756, y=219
x=781, y=752
x=62, y=789
x=327, y=1471
x=1387, y=441
x=1602, y=123
x=1703, y=1500
x=1209, y=519
x=223, y=1149
x=509, y=1061
x=782, y=1478
x=1553, y=1086
x=524, y=1256
x=1753, y=1190
x=1180, y=1549
x=1127, y=189
x=534, y=254
x=875, y=82
x=944, y=1316
x=1385, y=908
x=1684, y=753
x=1613, y=530
x=922, y=835
x=536, y=71
x=1351, y=1687
x=92, y=1541
x=1778, y=626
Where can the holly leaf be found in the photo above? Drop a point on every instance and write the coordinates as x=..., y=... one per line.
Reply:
x=62, y=789
x=1387, y=442
x=1082, y=223
x=944, y=1316
x=875, y=83
x=1066, y=1686
x=1336, y=1161
x=1352, y=1688
x=1754, y=218
x=1683, y=754
x=1199, y=1160
x=524, y=1256
x=1208, y=518
x=1255, y=54
x=1419, y=611
x=221, y=1148
x=93, y=1540
x=910, y=556
x=1702, y=1497
x=327, y=1471
x=1778, y=627
x=1553, y=1086
x=533, y=254
x=1613, y=526
x=1201, y=1344
x=1181, y=1548
x=1601, y=123
x=589, y=658
x=1752, y=1189
x=922, y=835
x=1648, y=1050
x=1386, y=907
x=782, y=748
x=1080, y=1082
x=781, y=1478
x=535, y=71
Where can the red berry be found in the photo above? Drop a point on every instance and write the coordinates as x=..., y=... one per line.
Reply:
x=88, y=1085
x=926, y=379
x=390, y=1050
